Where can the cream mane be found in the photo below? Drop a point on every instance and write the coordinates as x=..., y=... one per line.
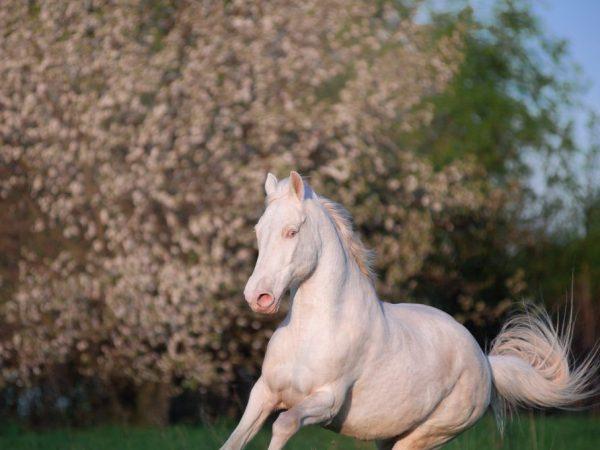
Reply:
x=343, y=222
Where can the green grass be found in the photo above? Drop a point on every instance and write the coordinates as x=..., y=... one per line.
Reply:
x=573, y=432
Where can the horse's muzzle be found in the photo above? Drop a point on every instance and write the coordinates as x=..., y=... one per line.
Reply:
x=264, y=303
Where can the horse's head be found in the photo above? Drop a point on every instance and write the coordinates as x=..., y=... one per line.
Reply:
x=288, y=243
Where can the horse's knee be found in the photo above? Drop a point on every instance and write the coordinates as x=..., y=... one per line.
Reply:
x=286, y=424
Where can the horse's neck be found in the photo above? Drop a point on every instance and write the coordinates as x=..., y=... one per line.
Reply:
x=336, y=292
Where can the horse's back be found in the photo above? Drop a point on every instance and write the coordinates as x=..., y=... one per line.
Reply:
x=430, y=326
x=435, y=339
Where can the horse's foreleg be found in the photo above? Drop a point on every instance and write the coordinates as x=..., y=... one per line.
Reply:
x=318, y=407
x=260, y=405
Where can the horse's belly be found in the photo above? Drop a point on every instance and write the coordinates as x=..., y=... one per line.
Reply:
x=372, y=427
x=382, y=413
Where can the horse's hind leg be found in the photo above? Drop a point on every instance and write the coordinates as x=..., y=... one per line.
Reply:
x=421, y=439
x=410, y=442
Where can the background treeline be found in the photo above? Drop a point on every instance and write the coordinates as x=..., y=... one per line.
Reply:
x=135, y=138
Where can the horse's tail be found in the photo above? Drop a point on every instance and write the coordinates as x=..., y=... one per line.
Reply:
x=531, y=364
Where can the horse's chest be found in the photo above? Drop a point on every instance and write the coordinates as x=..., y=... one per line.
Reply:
x=290, y=383
x=294, y=372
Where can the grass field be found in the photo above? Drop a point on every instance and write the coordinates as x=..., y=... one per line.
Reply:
x=574, y=432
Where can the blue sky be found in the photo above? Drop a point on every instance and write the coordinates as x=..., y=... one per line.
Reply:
x=577, y=21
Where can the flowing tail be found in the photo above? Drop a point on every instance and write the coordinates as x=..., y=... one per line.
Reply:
x=531, y=364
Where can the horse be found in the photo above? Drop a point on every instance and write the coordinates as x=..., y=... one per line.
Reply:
x=405, y=375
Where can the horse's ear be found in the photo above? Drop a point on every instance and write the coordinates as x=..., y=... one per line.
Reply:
x=296, y=185
x=270, y=183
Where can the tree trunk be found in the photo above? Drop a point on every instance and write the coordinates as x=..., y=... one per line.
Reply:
x=588, y=316
x=152, y=404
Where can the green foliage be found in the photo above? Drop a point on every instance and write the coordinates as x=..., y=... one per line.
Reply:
x=511, y=103
x=564, y=259
x=509, y=95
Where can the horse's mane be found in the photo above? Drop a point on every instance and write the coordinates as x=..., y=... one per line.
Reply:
x=343, y=222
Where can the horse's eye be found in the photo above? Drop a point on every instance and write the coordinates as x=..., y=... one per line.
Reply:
x=291, y=233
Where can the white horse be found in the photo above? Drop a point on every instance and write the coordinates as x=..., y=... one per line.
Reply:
x=406, y=375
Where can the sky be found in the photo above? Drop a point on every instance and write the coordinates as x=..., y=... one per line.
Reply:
x=577, y=21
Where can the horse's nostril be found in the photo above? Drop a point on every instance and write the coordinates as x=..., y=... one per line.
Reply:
x=265, y=299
